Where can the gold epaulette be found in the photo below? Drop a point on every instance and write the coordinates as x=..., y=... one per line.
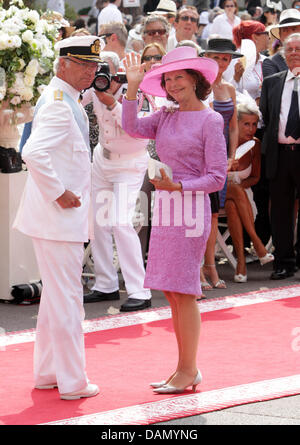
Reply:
x=58, y=95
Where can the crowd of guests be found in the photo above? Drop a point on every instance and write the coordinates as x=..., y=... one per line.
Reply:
x=248, y=46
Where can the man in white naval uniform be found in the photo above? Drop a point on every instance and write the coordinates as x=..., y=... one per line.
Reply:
x=119, y=167
x=54, y=212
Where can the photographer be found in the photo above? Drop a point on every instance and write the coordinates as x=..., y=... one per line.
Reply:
x=119, y=167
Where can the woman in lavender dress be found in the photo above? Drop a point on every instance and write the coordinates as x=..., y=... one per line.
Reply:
x=190, y=140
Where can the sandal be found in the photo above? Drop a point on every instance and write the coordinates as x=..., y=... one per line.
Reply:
x=220, y=284
x=206, y=286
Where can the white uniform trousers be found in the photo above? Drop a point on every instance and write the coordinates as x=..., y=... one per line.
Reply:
x=59, y=347
x=115, y=188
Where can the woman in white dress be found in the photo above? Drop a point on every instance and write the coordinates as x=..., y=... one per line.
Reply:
x=239, y=205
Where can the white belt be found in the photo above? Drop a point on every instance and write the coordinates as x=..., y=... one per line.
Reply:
x=121, y=156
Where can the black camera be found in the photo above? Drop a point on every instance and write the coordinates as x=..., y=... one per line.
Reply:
x=103, y=78
x=27, y=293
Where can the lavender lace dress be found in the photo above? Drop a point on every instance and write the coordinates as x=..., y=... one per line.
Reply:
x=193, y=145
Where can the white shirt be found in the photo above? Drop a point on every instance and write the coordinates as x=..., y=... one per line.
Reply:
x=172, y=42
x=223, y=27
x=109, y=14
x=285, y=108
x=251, y=80
x=111, y=135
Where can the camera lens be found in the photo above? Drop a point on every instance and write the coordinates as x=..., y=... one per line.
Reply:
x=101, y=82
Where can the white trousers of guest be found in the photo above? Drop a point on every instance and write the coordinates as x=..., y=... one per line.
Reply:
x=115, y=188
x=59, y=354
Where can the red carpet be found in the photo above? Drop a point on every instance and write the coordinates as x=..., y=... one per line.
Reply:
x=249, y=351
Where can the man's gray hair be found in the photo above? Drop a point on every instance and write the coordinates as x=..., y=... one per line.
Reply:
x=294, y=36
x=152, y=18
x=107, y=56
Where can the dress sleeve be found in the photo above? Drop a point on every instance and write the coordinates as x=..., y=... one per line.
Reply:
x=215, y=158
x=144, y=127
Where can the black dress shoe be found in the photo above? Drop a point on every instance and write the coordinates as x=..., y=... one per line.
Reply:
x=134, y=304
x=96, y=295
x=281, y=274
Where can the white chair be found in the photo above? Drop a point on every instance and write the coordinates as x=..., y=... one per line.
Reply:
x=221, y=240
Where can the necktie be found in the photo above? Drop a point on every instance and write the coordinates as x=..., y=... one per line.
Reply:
x=293, y=123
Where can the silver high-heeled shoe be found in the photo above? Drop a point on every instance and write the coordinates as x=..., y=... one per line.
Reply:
x=266, y=259
x=158, y=384
x=169, y=389
x=240, y=278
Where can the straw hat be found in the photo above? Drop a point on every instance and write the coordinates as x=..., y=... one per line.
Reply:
x=288, y=17
x=181, y=58
x=165, y=7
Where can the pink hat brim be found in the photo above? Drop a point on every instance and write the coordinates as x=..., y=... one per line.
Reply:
x=151, y=82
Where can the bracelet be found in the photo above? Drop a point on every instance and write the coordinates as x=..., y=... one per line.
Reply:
x=127, y=98
x=112, y=106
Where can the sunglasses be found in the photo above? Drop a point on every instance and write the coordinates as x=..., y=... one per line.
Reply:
x=153, y=32
x=104, y=36
x=156, y=57
x=229, y=6
x=260, y=33
x=186, y=18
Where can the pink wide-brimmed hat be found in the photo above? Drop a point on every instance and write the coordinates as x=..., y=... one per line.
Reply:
x=182, y=58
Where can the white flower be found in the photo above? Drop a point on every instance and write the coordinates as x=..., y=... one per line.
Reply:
x=22, y=29
x=29, y=81
x=42, y=26
x=8, y=41
x=27, y=36
x=26, y=94
x=21, y=63
x=32, y=68
x=33, y=16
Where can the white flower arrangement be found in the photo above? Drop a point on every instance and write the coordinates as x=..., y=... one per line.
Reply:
x=26, y=54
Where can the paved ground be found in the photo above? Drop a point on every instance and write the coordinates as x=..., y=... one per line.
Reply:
x=284, y=411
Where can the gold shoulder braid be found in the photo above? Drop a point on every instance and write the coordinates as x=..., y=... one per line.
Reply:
x=58, y=95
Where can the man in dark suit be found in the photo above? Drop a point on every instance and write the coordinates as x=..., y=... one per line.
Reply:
x=279, y=104
x=289, y=23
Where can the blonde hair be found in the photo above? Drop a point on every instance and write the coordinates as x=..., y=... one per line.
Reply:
x=80, y=32
x=155, y=45
x=117, y=28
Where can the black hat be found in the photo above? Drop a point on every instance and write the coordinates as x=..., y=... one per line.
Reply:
x=222, y=46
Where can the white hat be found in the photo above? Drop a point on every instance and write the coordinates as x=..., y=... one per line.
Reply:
x=288, y=17
x=135, y=33
x=165, y=7
x=81, y=47
x=203, y=19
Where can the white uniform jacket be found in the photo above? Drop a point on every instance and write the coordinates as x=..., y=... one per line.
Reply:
x=57, y=156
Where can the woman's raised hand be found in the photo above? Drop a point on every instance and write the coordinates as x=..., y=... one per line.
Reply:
x=135, y=70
